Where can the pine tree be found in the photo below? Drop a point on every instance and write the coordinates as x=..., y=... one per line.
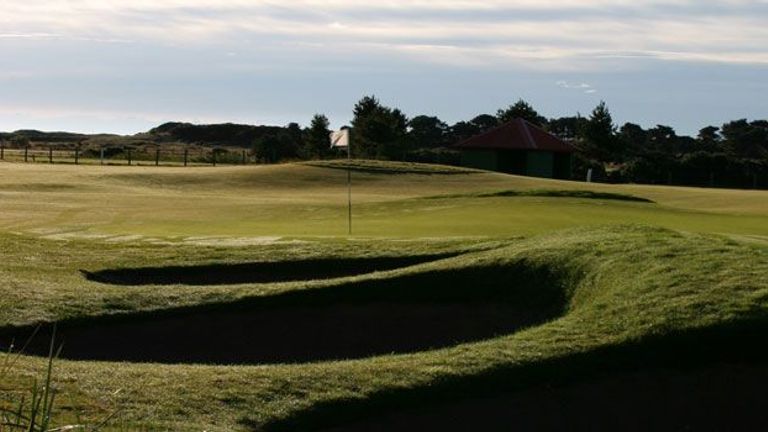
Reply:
x=318, y=137
x=521, y=109
x=378, y=131
x=599, y=135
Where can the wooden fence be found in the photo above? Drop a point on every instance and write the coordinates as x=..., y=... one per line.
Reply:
x=157, y=155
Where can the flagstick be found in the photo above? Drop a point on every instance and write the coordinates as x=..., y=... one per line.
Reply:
x=341, y=139
x=349, y=188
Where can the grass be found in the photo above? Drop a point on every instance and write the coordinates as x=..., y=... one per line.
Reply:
x=617, y=285
x=33, y=411
x=301, y=200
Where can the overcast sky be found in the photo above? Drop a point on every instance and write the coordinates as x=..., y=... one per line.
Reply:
x=126, y=66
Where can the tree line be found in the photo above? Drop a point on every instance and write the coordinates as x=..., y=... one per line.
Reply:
x=734, y=154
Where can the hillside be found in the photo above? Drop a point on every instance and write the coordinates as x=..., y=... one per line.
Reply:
x=224, y=134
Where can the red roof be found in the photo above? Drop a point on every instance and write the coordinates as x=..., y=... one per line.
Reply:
x=517, y=134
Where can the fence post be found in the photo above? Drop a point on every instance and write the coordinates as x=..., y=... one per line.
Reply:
x=213, y=156
x=77, y=154
x=157, y=156
x=101, y=155
x=186, y=154
x=129, y=156
x=50, y=154
x=26, y=153
x=243, y=157
x=2, y=150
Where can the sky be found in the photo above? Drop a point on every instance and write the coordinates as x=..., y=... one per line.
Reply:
x=127, y=66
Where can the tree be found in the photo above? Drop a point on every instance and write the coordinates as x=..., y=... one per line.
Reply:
x=378, y=131
x=566, y=127
x=366, y=126
x=318, y=137
x=663, y=138
x=427, y=132
x=292, y=141
x=599, y=136
x=484, y=122
x=521, y=109
x=746, y=140
x=662, y=152
x=634, y=140
x=19, y=141
x=461, y=131
x=709, y=138
x=276, y=146
x=748, y=143
x=266, y=148
x=396, y=146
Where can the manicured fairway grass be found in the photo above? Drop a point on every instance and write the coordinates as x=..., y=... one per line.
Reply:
x=303, y=200
x=475, y=296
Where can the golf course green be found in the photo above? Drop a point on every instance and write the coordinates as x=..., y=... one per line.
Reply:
x=232, y=298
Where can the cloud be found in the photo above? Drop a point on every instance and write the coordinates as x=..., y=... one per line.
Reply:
x=494, y=33
x=28, y=36
x=567, y=85
x=247, y=59
x=586, y=88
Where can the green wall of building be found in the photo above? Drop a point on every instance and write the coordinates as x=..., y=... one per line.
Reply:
x=481, y=159
x=529, y=163
x=539, y=164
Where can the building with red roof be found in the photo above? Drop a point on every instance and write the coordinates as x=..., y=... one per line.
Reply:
x=518, y=147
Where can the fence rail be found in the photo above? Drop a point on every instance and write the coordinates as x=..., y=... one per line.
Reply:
x=148, y=155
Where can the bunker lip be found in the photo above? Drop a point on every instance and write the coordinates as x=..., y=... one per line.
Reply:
x=285, y=335
x=402, y=314
x=255, y=272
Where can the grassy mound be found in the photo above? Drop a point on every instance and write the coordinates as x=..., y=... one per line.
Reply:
x=389, y=167
x=254, y=272
x=618, y=300
x=261, y=314
x=637, y=298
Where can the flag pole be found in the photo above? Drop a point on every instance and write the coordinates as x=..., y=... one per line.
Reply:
x=341, y=139
x=349, y=188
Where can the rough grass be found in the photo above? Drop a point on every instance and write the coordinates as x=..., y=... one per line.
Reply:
x=615, y=287
x=615, y=298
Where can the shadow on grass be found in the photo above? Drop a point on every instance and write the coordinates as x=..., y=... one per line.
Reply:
x=401, y=314
x=568, y=194
x=706, y=379
x=550, y=193
x=380, y=167
x=255, y=272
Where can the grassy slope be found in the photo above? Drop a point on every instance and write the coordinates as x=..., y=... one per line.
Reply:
x=300, y=200
x=685, y=282
x=618, y=285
